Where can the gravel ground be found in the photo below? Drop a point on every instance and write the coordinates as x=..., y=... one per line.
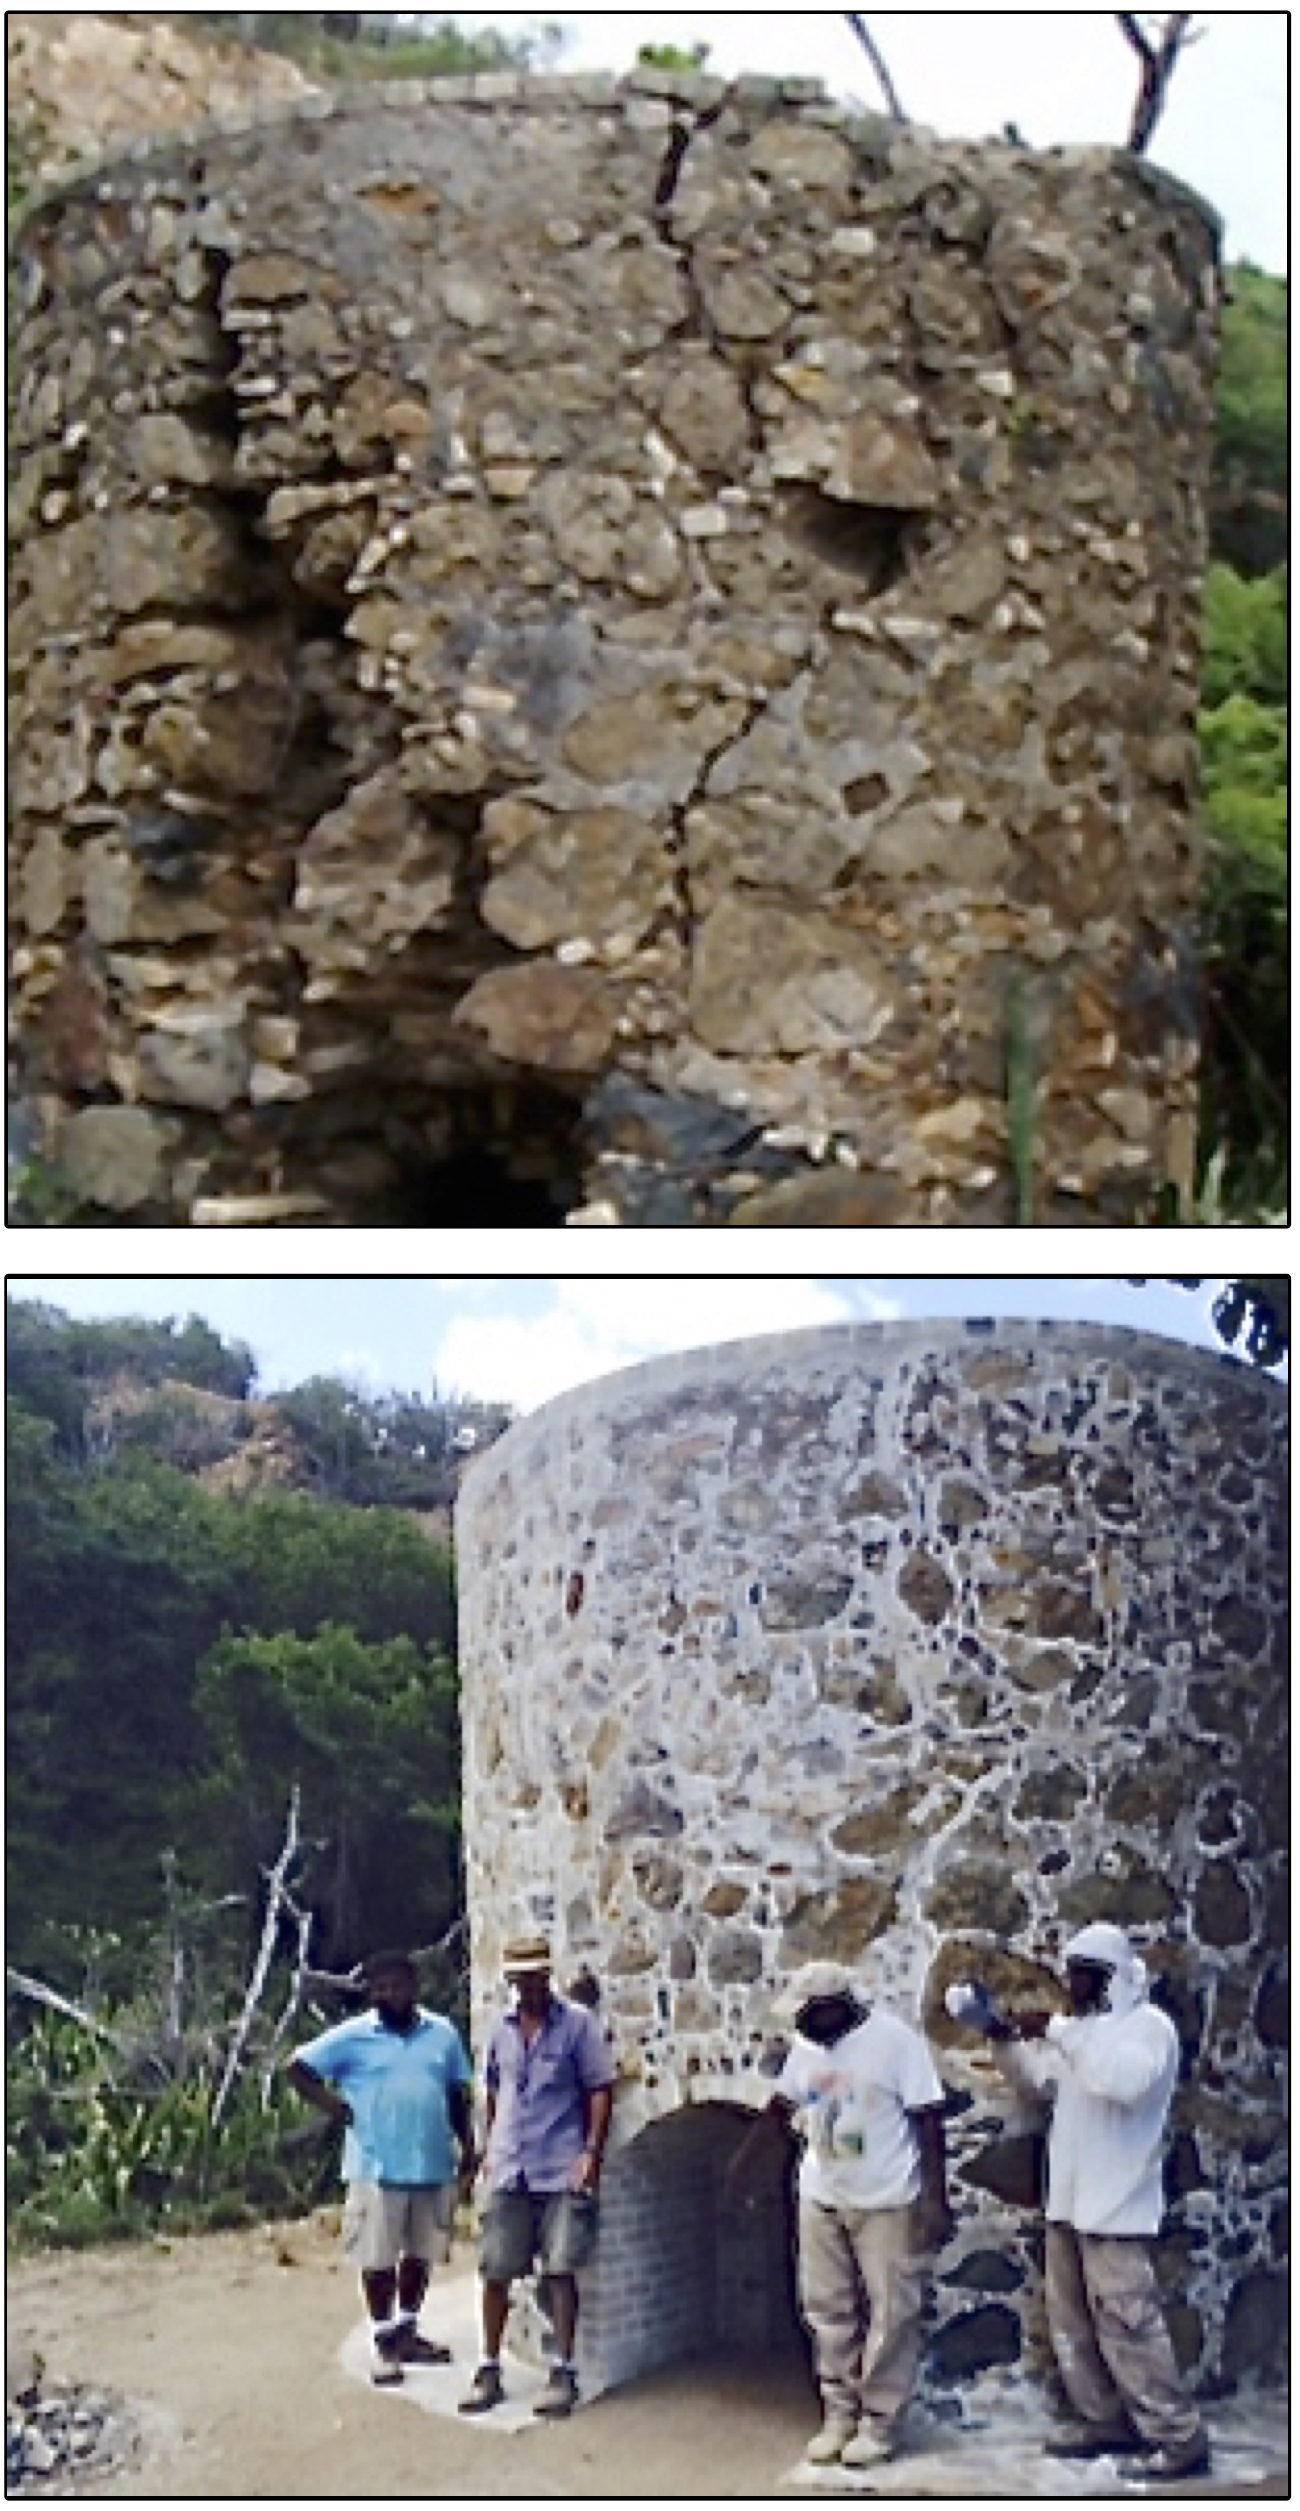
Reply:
x=237, y=2371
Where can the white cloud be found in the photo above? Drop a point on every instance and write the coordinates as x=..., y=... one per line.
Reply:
x=595, y=1326
x=362, y=1369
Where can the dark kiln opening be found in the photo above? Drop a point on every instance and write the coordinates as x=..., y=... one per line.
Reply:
x=684, y=2267
x=475, y=1190
x=459, y=1158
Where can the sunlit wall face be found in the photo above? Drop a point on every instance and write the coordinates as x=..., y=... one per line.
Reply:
x=916, y=1646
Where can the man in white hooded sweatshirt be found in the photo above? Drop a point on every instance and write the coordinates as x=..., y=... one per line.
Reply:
x=1108, y=2070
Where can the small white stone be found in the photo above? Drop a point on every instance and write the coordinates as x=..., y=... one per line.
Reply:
x=703, y=523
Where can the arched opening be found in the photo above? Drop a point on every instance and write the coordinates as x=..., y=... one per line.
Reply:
x=475, y=1190
x=504, y=1157
x=683, y=2267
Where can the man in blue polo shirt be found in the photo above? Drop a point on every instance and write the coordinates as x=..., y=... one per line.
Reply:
x=403, y=2095
x=550, y=2078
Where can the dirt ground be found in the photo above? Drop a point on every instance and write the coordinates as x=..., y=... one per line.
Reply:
x=242, y=2355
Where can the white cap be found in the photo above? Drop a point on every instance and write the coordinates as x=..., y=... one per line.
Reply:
x=816, y=1979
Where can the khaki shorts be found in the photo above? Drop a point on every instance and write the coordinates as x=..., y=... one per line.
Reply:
x=520, y=2229
x=381, y=2225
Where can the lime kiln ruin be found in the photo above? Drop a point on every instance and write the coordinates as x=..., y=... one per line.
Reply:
x=919, y=1646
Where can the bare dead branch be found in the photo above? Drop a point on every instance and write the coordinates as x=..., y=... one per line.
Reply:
x=352, y=1983
x=302, y=1919
x=1158, y=53
x=41, y=1995
x=859, y=26
x=278, y=1882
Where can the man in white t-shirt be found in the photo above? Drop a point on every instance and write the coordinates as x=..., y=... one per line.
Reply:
x=860, y=2089
x=1108, y=2069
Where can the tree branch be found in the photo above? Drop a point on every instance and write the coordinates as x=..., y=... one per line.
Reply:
x=278, y=1882
x=41, y=1995
x=1159, y=61
x=859, y=26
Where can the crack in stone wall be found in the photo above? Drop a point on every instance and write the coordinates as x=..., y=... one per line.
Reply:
x=666, y=604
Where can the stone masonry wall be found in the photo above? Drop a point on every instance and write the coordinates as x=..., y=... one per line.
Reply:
x=642, y=636
x=917, y=1646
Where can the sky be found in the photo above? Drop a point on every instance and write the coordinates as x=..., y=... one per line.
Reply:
x=523, y=1339
x=1063, y=78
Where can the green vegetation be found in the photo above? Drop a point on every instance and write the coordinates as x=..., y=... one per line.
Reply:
x=102, y=2142
x=672, y=57
x=181, y=1655
x=1245, y=1106
x=1251, y=465
x=238, y=1709
x=342, y=44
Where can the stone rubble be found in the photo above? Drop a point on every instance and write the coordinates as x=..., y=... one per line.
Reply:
x=554, y=618
x=59, y=2435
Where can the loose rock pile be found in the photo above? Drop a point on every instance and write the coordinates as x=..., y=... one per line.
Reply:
x=58, y=2433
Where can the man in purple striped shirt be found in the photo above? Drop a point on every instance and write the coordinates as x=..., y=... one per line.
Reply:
x=550, y=2092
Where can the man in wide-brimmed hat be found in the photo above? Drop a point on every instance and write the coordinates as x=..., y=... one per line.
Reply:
x=860, y=2089
x=550, y=2078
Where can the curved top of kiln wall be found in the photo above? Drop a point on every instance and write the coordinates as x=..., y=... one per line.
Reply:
x=563, y=92
x=947, y=1338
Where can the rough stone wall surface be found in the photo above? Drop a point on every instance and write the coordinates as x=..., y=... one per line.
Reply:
x=645, y=632
x=920, y=1647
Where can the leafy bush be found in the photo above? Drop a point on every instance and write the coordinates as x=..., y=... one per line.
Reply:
x=95, y=2150
x=1245, y=950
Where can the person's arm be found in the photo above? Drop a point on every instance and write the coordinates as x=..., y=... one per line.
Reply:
x=1121, y=2066
x=321, y=2095
x=1028, y=2070
x=773, y=2128
x=460, y=2110
x=935, y=2213
x=599, y=2104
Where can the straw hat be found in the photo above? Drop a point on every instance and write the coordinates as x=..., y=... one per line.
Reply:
x=525, y=1953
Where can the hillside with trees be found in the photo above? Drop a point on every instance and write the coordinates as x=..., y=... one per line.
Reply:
x=231, y=1704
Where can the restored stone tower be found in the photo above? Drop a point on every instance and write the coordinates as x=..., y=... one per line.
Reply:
x=919, y=1646
x=626, y=649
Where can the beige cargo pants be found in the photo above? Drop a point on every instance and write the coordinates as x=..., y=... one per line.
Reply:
x=1110, y=2337
x=862, y=2283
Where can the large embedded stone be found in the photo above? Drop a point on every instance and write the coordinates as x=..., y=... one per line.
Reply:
x=196, y=1055
x=598, y=876
x=970, y=1893
x=163, y=447
x=838, y=1925
x=804, y=1603
x=1013, y=2168
x=113, y=1156
x=553, y=1019
x=370, y=875
x=976, y=2341
x=799, y=153
x=643, y=1812
x=769, y=981
x=735, y=1957
x=926, y=1588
